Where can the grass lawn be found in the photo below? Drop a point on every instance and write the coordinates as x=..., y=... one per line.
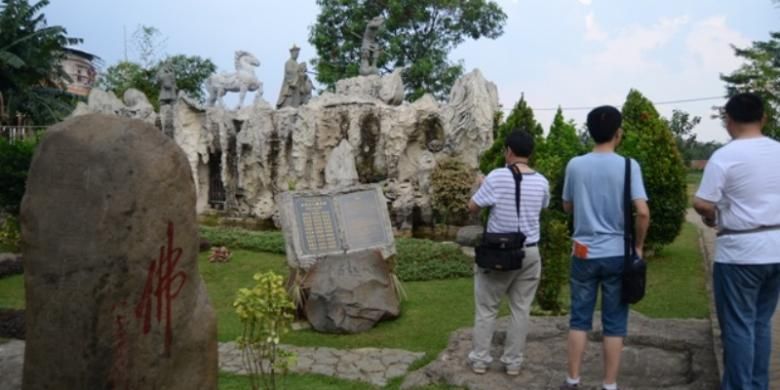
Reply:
x=675, y=280
x=12, y=292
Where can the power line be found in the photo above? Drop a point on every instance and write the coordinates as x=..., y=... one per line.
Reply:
x=581, y=108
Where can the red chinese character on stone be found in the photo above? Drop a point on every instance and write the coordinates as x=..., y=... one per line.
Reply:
x=158, y=291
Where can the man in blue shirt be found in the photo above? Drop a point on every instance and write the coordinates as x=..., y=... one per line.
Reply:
x=593, y=192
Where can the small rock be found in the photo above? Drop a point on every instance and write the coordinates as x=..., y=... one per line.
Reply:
x=469, y=235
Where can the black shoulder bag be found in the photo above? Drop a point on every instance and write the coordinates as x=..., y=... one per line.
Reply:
x=503, y=251
x=634, y=268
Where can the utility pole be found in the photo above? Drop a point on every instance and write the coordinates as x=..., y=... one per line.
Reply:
x=124, y=39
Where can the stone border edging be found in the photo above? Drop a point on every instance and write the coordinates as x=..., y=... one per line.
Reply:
x=707, y=241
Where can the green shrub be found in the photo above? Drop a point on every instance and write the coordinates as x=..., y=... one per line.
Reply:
x=420, y=260
x=649, y=141
x=15, y=159
x=416, y=260
x=10, y=234
x=235, y=238
x=266, y=313
x=451, y=183
x=555, y=249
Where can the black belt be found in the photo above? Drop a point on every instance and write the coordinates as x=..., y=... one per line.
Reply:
x=531, y=244
x=726, y=232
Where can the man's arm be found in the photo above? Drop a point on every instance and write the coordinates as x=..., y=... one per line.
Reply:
x=707, y=210
x=472, y=206
x=568, y=207
x=641, y=224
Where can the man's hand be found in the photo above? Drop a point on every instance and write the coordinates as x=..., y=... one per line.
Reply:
x=479, y=180
x=711, y=222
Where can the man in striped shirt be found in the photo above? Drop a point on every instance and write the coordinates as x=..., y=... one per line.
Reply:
x=497, y=191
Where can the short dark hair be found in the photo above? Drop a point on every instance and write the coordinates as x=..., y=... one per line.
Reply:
x=745, y=108
x=603, y=122
x=520, y=142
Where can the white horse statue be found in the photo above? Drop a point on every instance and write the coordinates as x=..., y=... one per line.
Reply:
x=241, y=81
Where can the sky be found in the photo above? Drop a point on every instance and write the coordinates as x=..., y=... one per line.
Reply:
x=576, y=54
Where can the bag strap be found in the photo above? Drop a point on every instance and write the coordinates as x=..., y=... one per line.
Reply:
x=628, y=221
x=518, y=176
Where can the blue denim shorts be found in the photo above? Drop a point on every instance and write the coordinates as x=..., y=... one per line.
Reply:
x=585, y=278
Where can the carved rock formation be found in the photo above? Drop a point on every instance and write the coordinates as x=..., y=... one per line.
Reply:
x=241, y=159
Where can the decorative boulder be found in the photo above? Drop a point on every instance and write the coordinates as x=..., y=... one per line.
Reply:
x=114, y=299
x=350, y=293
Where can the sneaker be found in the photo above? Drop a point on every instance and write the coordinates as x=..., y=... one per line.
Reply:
x=569, y=386
x=478, y=368
x=513, y=371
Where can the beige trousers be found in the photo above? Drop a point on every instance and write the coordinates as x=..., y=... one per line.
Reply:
x=489, y=288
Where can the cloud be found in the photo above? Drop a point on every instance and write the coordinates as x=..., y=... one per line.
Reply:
x=585, y=2
x=709, y=45
x=629, y=49
x=669, y=59
x=593, y=31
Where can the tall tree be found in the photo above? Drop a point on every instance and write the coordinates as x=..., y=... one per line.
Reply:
x=561, y=145
x=522, y=118
x=191, y=71
x=681, y=124
x=760, y=74
x=648, y=140
x=418, y=35
x=31, y=73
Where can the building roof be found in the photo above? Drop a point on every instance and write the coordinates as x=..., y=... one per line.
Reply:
x=81, y=53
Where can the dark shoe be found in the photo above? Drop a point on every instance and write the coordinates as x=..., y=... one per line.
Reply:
x=568, y=386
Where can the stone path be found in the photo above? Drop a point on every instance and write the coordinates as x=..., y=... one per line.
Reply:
x=371, y=365
x=659, y=354
x=11, y=362
x=707, y=240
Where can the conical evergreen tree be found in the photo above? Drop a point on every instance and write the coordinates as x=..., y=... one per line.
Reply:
x=522, y=118
x=648, y=140
x=561, y=145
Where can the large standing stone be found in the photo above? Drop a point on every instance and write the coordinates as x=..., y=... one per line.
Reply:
x=350, y=293
x=114, y=297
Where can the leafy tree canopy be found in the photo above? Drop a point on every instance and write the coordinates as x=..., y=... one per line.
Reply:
x=418, y=35
x=191, y=71
x=760, y=74
x=521, y=118
x=648, y=140
x=31, y=73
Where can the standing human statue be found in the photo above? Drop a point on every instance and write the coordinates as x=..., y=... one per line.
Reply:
x=166, y=79
x=289, y=95
x=369, y=50
x=305, y=87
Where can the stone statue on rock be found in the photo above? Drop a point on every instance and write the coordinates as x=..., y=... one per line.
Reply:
x=133, y=104
x=288, y=96
x=296, y=86
x=166, y=79
x=370, y=50
x=242, y=81
x=305, y=86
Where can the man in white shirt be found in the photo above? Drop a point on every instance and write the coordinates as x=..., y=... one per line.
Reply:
x=497, y=191
x=740, y=196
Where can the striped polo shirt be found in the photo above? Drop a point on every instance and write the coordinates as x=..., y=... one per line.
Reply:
x=498, y=192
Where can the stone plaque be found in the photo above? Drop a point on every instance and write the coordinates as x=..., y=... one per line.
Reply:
x=321, y=223
x=363, y=225
x=317, y=224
